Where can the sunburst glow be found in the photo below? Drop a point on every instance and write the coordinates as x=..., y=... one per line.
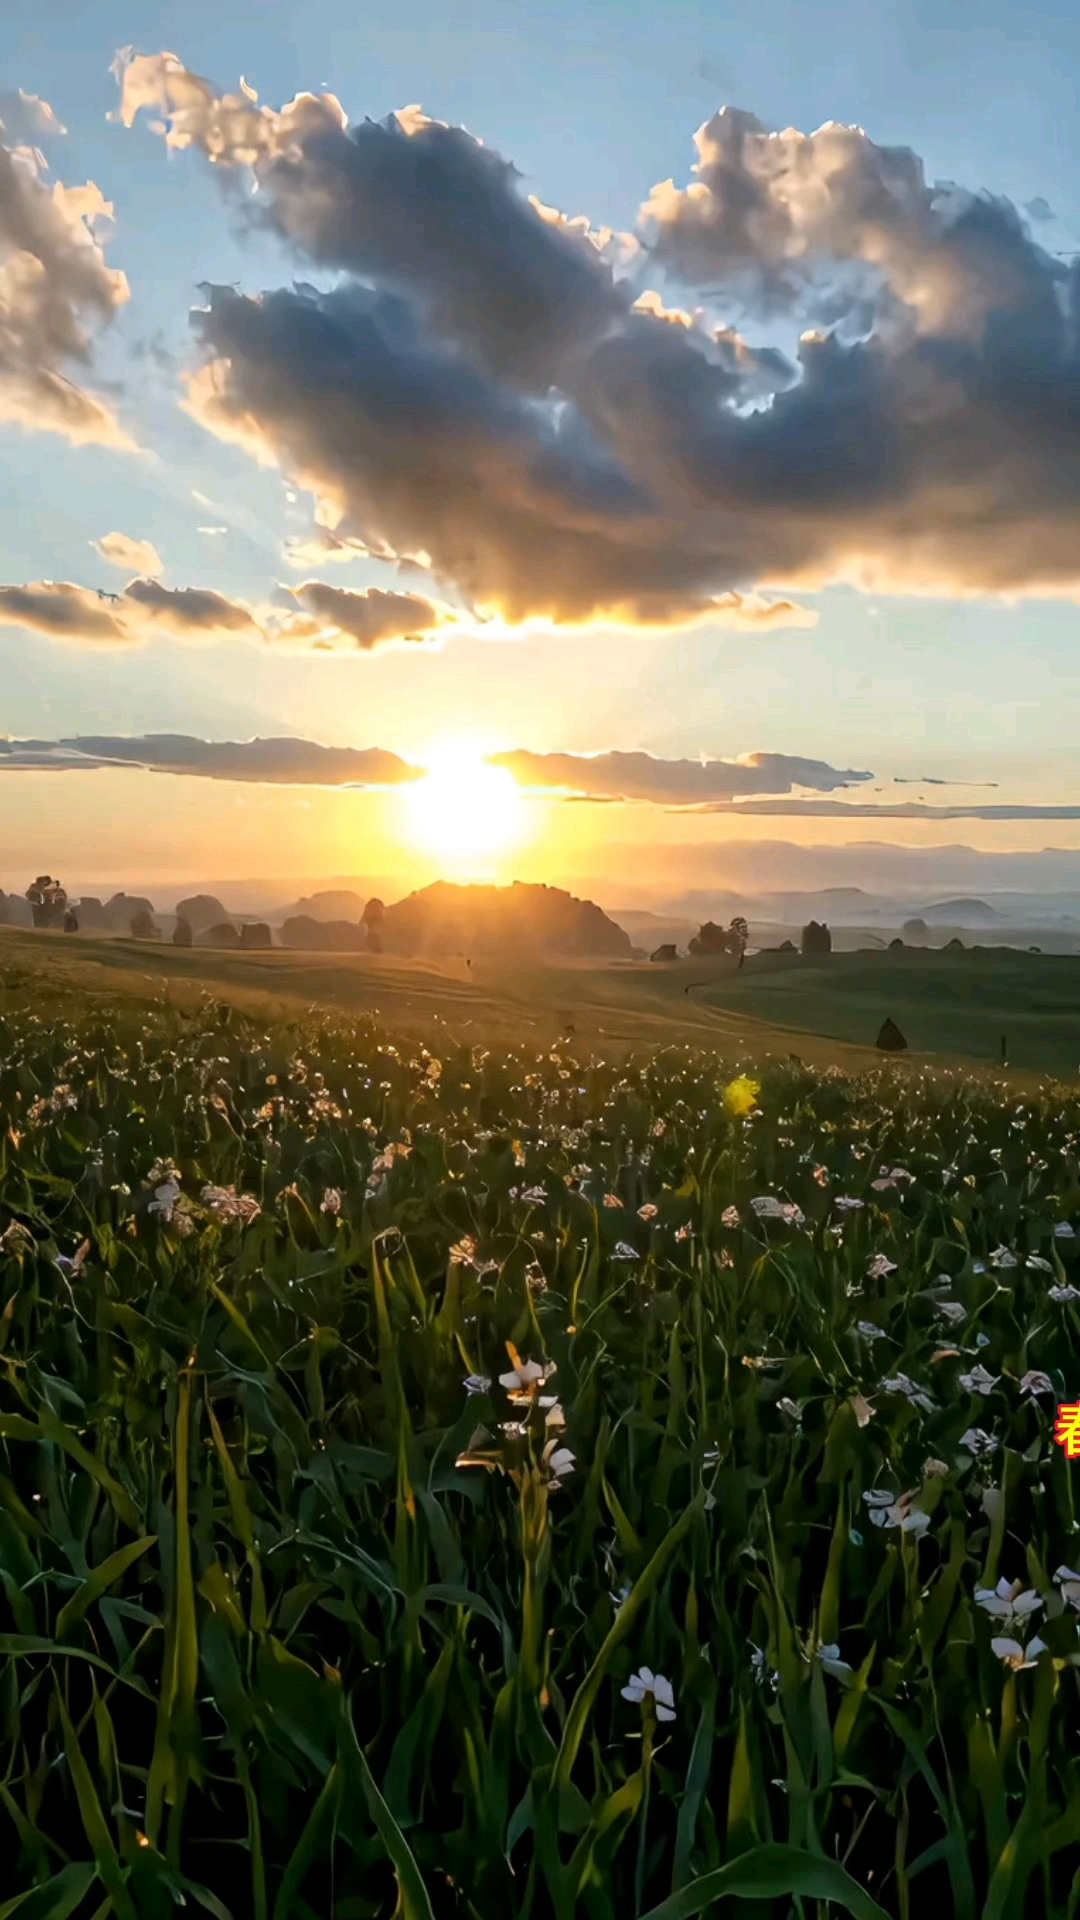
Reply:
x=463, y=810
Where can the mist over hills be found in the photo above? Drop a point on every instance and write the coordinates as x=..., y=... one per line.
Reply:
x=774, y=883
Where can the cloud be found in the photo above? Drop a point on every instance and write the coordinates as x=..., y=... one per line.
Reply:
x=369, y=618
x=892, y=810
x=27, y=120
x=68, y=612
x=55, y=287
x=473, y=394
x=281, y=762
x=639, y=776
x=133, y=556
x=314, y=616
x=705, y=787
x=485, y=390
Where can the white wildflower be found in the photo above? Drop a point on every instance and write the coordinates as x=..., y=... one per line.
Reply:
x=978, y=1443
x=899, y=1383
x=767, y=1207
x=1063, y=1294
x=164, y=1200
x=226, y=1204
x=879, y=1266
x=1036, y=1382
x=829, y=1655
x=555, y=1463
x=979, y=1381
x=1014, y=1655
x=525, y=1376
x=1009, y=1600
x=1069, y=1582
x=648, y=1685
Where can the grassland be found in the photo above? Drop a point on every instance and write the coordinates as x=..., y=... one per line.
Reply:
x=523, y=1482
x=954, y=1006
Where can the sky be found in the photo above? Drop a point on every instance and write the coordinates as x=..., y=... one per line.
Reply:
x=649, y=503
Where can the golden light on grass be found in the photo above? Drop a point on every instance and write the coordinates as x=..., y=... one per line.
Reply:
x=464, y=811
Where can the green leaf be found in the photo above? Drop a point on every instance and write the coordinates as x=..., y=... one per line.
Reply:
x=99, y=1582
x=642, y=1590
x=56, y=1898
x=413, y=1902
x=770, y=1873
x=102, y=1845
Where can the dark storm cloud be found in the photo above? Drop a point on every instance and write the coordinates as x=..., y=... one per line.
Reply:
x=639, y=776
x=281, y=762
x=497, y=392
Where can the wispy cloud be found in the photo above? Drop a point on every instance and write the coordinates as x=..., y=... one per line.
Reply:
x=276, y=762
x=893, y=810
x=641, y=776
x=131, y=556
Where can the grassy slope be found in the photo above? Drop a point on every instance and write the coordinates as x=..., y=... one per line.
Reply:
x=951, y=1005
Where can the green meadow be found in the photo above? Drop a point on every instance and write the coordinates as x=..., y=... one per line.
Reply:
x=450, y=1470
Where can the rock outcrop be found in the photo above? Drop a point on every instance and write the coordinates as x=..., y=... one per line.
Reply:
x=255, y=937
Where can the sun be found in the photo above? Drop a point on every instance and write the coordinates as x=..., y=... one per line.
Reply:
x=464, y=810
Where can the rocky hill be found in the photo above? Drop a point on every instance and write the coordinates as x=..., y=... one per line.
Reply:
x=520, y=919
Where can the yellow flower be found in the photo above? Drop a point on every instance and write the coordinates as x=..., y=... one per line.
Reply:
x=740, y=1095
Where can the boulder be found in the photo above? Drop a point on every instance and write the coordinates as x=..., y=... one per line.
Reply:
x=182, y=934
x=816, y=940
x=890, y=1039
x=202, y=910
x=668, y=951
x=142, y=925
x=255, y=936
x=223, y=936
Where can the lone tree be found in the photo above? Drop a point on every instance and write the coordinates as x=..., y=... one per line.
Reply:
x=732, y=939
x=816, y=939
x=372, y=922
x=890, y=1039
x=48, y=901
